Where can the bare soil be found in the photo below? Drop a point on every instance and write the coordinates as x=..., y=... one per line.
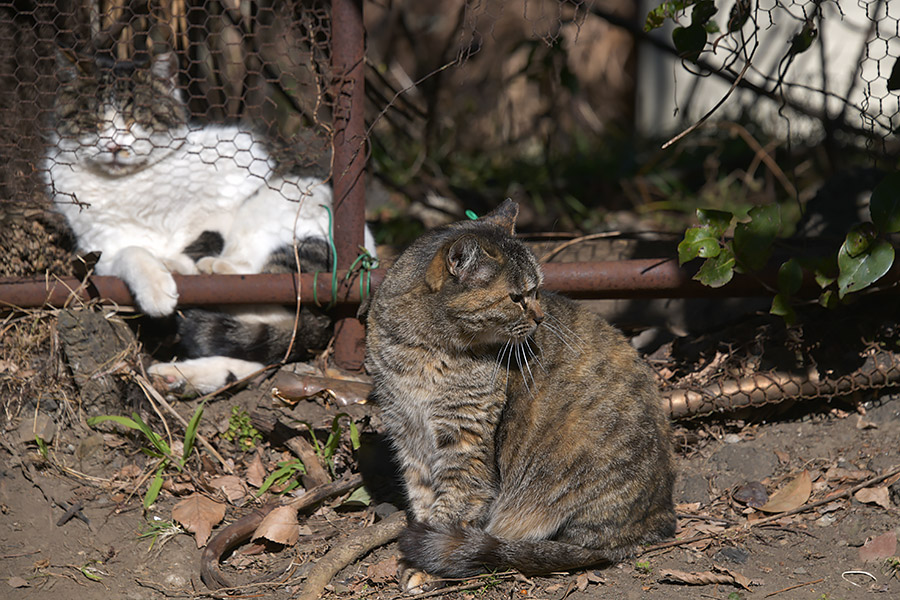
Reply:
x=113, y=547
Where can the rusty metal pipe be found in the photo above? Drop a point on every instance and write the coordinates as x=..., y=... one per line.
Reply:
x=639, y=278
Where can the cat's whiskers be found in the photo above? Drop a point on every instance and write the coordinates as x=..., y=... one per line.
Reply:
x=520, y=349
x=534, y=354
x=555, y=331
x=499, y=362
x=563, y=327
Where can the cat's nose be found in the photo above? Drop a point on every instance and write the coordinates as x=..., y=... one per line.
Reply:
x=536, y=313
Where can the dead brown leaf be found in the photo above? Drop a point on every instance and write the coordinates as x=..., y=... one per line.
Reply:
x=783, y=457
x=718, y=575
x=581, y=582
x=198, y=514
x=843, y=475
x=256, y=472
x=384, y=571
x=17, y=582
x=875, y=495
x=880, y=547
x=231, y=486
x=792, y=495
x=279, y=526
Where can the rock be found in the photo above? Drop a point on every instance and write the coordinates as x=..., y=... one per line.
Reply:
x=737, y=463
x=732, y=554
x=93, y=345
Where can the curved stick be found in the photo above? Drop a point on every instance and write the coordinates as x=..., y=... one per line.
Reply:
x=348, y=551
x=242, y=530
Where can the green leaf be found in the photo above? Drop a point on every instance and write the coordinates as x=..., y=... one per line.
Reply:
x=884, y=205
x=689, y=41
x=717, y=271
x=860, y=238
x=716, y=221
x=753, y=240
x=893, y=82
x=698, y=241
x=190, y=434
x=155, y=485
x=829, y=299
x=354, y=435
x=155, y=439
x=703, y=12
x=860, y=271
x=790, y=277
x=657, y=17
x=286, y=470
x=824, y=280
x=781, y=306
x=801, y=42
x=359, y=498
x=115, y=419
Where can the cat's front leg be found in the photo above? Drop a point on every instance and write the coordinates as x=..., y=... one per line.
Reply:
x=147, y=277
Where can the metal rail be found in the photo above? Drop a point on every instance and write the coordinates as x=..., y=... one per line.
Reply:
x=638, y=278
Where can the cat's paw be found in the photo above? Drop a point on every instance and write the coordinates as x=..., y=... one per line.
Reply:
x=220, y=266
x=156, y=293
x=181, y=264
x=414, y=581
x=201, y=375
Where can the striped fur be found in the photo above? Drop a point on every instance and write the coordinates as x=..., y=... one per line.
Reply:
x=530, y=434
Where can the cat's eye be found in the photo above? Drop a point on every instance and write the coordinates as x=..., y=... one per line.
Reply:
x=517, y=298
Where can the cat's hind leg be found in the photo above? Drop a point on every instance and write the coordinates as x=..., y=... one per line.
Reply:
x=203, y=375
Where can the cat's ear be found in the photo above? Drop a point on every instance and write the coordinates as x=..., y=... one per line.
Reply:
x=465, y=259
x=504, y=216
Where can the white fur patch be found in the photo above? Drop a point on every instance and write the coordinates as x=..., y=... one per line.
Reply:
x=203, y=375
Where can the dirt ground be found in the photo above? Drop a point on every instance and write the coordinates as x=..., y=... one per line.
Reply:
x=73, y=524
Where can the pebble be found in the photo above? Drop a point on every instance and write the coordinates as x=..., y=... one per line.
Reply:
x=732, y=438
x=800, y=571
x=825, y=520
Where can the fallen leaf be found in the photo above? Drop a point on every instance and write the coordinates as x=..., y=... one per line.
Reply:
x=783, y=457
x=256, y=472
x=129, y=471
x=581, y=582
x=846, y=475
x=384, y=571
x=279, y=526
x=717, y=576
x=688, y=507
x=791, y=496
x=875, y=495
x=198, y=514
x=863, y=423
x=879, y=548
x=231, y=486
x=17, y=582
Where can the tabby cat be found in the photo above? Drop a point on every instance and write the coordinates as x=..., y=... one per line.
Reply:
x=157, y=194
x=530, y=434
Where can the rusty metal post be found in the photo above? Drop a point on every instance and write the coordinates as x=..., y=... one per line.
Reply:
x=348, y=59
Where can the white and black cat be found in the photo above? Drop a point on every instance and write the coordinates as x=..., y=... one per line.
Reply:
x=157, y=194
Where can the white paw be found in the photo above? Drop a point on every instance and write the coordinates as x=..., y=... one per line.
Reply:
x=220, y=266
x=415, y=581
x=202, y=375
x=180, y=264
x=156, y=293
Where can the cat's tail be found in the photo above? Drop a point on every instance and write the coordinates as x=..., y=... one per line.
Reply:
x=467, y=551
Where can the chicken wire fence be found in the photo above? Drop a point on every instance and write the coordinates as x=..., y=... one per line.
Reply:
x=515, y=76
x=265, y=65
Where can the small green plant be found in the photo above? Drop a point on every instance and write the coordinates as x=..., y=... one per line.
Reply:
x=865, y=256
x=735, y=596
x=891, y=567
x=42, y=446
x=158, y=448
x=327, y=450
x=643, y=567
x=160, y=530
x=241, y=431
x=285, y=474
